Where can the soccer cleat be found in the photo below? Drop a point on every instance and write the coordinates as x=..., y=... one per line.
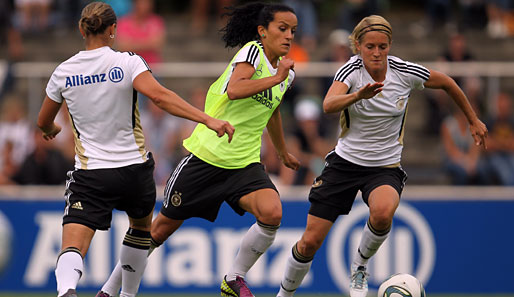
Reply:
x=235, y=288
x=70, y=293
x=359, y=282
x=103, y=294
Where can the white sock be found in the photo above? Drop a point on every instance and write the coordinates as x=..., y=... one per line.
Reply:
x=68, y=270
x=133, y=259
x=370, y=242
x=256, y=241
x=113, y=284
x=296, y=268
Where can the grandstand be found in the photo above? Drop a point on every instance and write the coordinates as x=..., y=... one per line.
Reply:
x=422, y=154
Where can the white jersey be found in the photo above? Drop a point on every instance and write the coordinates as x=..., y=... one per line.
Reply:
x=97, y=87
x=372, y=129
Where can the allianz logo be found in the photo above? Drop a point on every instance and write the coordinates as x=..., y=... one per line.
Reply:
x=115, y=75
x=410, y=247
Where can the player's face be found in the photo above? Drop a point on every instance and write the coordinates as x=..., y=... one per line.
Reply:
x=280, y=33
x=374, y=49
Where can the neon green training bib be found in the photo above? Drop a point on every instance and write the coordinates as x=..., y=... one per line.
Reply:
x=249, y=116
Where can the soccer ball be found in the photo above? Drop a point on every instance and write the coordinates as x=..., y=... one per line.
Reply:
x=401, y=285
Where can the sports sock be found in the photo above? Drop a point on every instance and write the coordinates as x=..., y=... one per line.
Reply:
x=371, y=240
x=255, y=242
x=113, y=284
x=297, y=267
x=133, y=259
x=68, y=269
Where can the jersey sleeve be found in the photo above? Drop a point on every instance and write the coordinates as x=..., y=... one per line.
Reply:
x=292, y=76
x=415, y=74
x=348, y=73
x=137, y=65
x=53, y=89
x=249, y=53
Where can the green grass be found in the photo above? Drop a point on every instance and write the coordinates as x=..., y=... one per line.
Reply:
x=89, y=294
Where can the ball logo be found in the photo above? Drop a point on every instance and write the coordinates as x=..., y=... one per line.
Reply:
x=115, y=74
x=410, y=247
x=6, y=242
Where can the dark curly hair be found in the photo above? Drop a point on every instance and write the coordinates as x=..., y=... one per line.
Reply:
x=244, y=20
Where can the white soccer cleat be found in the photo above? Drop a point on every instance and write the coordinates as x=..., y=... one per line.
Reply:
x=359, y=281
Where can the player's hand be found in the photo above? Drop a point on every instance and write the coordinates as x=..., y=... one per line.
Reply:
x=283, y=68
x=290, y=161
x=221, y=127
x=52, y=133
x=479, y=132
x=369, y=91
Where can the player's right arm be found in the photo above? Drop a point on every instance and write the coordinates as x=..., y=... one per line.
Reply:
x=172, y=103
x=337, y=98
x=46, y=118
x=242, y=86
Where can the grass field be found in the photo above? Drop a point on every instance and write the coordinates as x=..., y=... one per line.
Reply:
x=91, y=294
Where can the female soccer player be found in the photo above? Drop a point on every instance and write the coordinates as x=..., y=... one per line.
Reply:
x=112, y=167
x=372, y=91
x=248, y=95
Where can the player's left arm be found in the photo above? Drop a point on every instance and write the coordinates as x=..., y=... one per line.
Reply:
x=439, y=80
x=276, y=134
x=46, y=118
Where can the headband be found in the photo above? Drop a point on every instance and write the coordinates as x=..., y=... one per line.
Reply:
x=364, y=31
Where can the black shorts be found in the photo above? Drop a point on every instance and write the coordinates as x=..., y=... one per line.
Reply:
x=197, y=189
x=334, y=191
x=91, y=195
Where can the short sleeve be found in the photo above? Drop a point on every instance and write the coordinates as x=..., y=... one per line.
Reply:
x=137, y=65
x=249, y=53
x=292, y=76
x=53, y=91
x=415, y=74
x=348, y=73
x=420, y=75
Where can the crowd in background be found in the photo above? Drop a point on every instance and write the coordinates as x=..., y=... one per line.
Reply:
x=25, y=158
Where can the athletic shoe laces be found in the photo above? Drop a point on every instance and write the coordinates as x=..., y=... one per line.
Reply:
x=360, y=279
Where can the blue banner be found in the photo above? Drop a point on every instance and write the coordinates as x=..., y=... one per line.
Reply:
x=451, y=245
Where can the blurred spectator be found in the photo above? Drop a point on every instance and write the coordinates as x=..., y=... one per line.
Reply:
x=34, y=14
x=120, y=7
x=307, y=142
x=352, y=11
x=462, y=160
x=500, y=144
x=11, y=40
x=499, y=19
x=200, y=14
x=339, y=52
x=307, y=31
x=142, y=31
x=456, y=51
x=46, y=165
x=16, y=140
x=472, y=14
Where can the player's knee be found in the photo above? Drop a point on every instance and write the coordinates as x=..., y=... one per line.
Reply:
x=381, y=221
x=273, y=217
x=309, y=245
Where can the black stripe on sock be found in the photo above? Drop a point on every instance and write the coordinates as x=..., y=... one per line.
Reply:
x=266, y=226
x=67, y=250
x=137, y=239
x=363, y=257
x=378, y=232
x=299, y=257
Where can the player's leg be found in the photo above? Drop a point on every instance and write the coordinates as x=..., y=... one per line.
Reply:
x=75, y=243
x=265, y=205
x=162, y=228
x=382, y=202
x=300, y=259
